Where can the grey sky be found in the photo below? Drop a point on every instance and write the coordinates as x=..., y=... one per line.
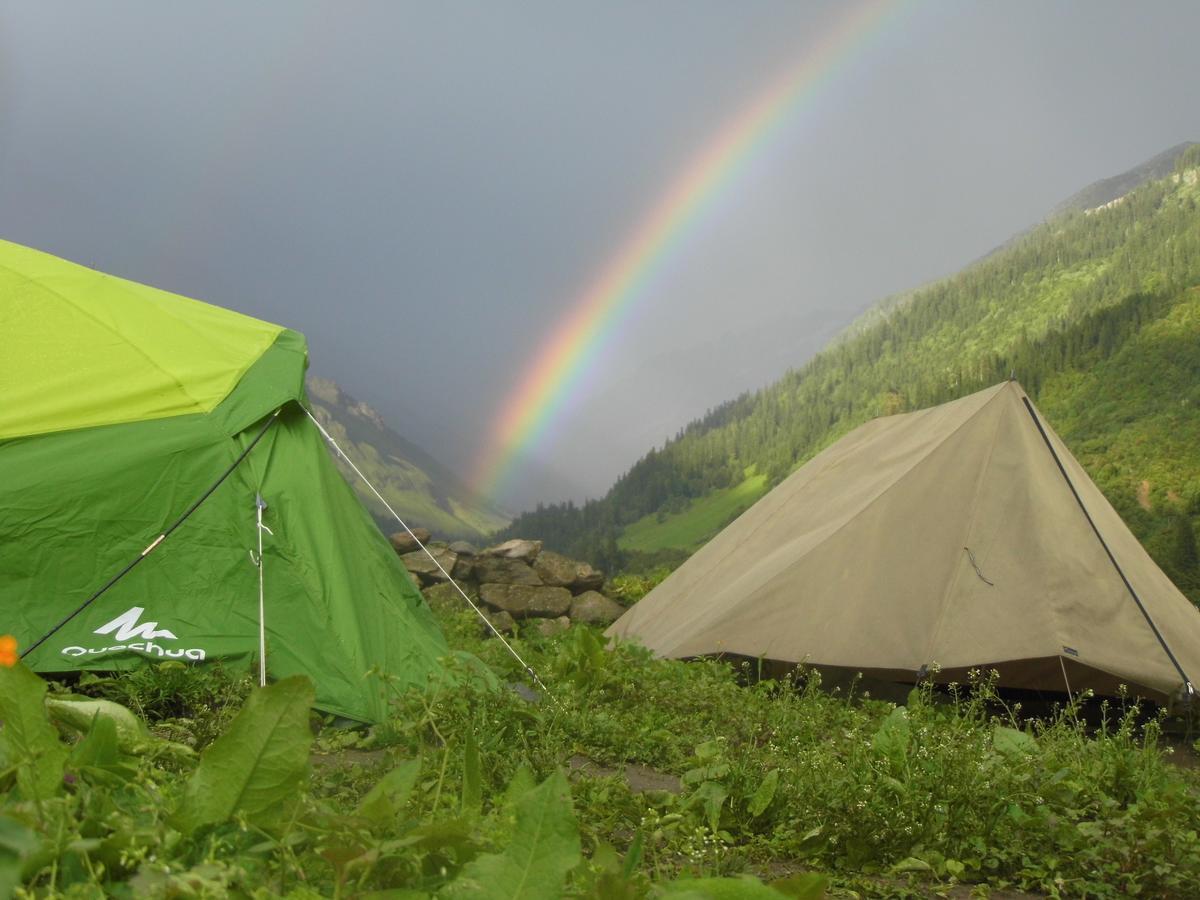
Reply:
x=424, y=188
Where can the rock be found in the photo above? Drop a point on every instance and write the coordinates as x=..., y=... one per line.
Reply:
x=525, y=692
x=589, y=579
x=404, y=542
x=422, y=567
x=497, y=570
x=561, y=571
x=555, y=569
x=594, y=608
x=551, y=627
x=516, y=549
x=444, y=598
x=501, y=621
x=524, y=601
x=464, y=568
x=462, y=548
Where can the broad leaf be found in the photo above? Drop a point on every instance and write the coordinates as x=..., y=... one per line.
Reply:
x=28, y=742
x=17, y=843
x=1012, y=743
x=99, y=747
x=891, y=740
x=258, y=765
x=383, y=803
x=765, y=794
x=711, y=796
x=543, y=850
x=519, y=785
x=82, y=714
x=132, y=735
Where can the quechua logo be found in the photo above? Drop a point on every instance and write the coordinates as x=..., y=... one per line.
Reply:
x=126, y=626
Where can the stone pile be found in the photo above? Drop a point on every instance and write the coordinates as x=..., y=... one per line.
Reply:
x=512, y=581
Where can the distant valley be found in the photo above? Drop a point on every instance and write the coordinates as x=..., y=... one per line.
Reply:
x=417, y=486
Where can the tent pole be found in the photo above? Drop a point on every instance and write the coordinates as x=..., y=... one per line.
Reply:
x=1066, y=680
x=1189, y=690
x=259, y=505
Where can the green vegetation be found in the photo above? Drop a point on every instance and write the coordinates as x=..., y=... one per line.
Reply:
x=423, y=491
x=1094, y=311
x=694, y=521
x=748, y=788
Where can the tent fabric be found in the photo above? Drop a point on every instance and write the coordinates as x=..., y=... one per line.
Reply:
x=77, y=505
x=97, y=350
x=945, y=538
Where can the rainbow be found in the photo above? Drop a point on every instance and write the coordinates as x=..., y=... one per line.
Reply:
x=575, y=344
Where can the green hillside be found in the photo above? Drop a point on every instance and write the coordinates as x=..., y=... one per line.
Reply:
x=419, y=488
x=693, y=522
x=1096, y=313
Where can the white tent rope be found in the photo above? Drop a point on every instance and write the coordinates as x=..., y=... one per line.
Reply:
x=528, y=669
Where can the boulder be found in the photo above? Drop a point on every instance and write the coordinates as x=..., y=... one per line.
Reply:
x=498, y=570
x=594, y=608
x=561, y=571
x=524, y=601
x=501, y=621
x=443, y=598
x=423, y=568
x=588, y=579
x=404, y=542
x=464, y=568
x=516, y=549
x=551, y=627
x=462, y=548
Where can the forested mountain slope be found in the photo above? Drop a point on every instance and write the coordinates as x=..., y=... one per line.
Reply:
x=414, y=483
x=1096, y=311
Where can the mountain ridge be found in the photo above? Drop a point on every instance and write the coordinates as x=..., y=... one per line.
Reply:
x=1066, y=298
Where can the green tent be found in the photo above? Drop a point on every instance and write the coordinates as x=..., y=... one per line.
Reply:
x=122, y=407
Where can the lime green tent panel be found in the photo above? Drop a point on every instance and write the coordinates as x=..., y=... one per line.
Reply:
x=97, y=350
x=77, y=506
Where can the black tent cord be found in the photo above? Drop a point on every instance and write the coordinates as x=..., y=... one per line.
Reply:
x=1136, y=599
x=158, y=540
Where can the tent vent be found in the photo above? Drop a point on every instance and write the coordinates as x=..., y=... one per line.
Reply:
x=1070, y=651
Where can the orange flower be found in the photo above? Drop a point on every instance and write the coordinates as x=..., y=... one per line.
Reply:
x=8, y=651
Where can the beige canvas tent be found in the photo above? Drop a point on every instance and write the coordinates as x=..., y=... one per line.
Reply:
x=966, y=535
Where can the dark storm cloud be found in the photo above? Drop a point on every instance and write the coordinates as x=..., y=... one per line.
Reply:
x=424, y=188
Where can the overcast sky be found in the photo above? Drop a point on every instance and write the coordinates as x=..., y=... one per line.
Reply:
x=423, y=189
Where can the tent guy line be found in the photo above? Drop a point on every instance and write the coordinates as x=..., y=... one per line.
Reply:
x=517, y=656
x=153, y=545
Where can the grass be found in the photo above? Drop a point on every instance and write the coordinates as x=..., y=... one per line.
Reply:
x=690, y=528
x=461, y=792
